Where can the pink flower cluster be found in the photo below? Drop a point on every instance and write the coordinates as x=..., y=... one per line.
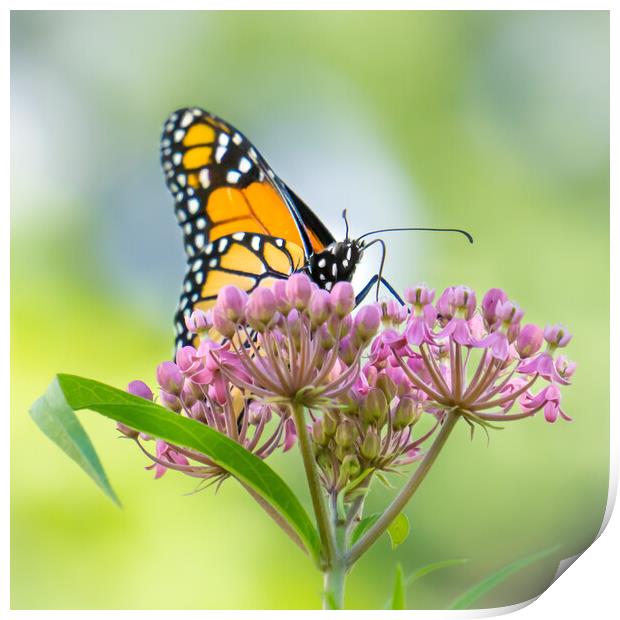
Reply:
x=366, y=377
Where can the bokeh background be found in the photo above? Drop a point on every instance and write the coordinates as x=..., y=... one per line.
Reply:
x=495, y=122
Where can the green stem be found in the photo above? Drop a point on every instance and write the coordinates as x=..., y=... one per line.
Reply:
x=400, y=501
x=333, y=586
x=314, y=484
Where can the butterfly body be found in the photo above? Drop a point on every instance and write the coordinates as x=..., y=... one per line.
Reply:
x=241, y=223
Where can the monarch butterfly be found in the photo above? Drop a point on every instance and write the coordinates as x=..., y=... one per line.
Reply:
x=241, y=223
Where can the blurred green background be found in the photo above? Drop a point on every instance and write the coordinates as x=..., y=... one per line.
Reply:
x=495, y=122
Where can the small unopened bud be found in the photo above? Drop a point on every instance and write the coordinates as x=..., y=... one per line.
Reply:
x=319, y=308
x=231, y=303
x=324, y=460
x=347, y=351
x=345, y=433
x=508, y=312
x=318, y=433
x=279, y=292
x=141, y=389
x=349, y=469
x=371, y=445
x=557, y=336
x=339, y=327
x=392, y=313
x=222, y=323
x=170, y=378
x=330, y=423
x=342, y=298
x=170, y=401
x=373, y=408
x=366, y=323
x=299, y=290
x=125, y=430
x=260, y=309
x=530, y=340
x=405, y=414
x=386, y=385
x=258, y=412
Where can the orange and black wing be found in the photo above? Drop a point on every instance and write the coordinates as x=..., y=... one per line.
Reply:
x=241, y=223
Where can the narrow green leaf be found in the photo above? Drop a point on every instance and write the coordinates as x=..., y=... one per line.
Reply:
x=398, y=530
x=362, y=526
x=431, y=568
x=56, y=419
x=80, y=393
x=398, y=595
x=469, y=597
x=426, y=570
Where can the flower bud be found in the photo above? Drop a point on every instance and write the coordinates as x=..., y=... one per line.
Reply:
x=339, y=327
x=125, y=430
x=342, y=298
x=345, y=433
x=508, y=313
x=366, y=323
x=319, y=307
x=231, y=303
x=299, y=290
x=405, y=414
x=198, y=411
x=141, y=389
x=371, y=445
x=557, y=336
x=373, y=408
x=489, y=304
x=258, y=412
x=187, y=361
x=318, y=433
x=222, y=323
x=392, y=313
x=445, y=304
x=350, y=466
x=324, y=460
x=347, y=350
x=279, y=292
x=260, y=309
x=170, y=401
x=385, y=383
x=330, y=423
x=565, y=367
x=170, y=378
x=529, y=340
x=464, y=301
x=326, y=339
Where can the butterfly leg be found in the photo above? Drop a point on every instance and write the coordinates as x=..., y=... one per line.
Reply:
x=364, y=292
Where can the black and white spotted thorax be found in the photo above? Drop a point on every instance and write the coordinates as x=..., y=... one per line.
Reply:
x=336, y=263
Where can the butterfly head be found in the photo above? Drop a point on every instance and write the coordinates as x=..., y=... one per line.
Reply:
x=336, y=263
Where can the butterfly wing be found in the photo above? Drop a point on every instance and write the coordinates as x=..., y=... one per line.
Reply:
x=241, y=223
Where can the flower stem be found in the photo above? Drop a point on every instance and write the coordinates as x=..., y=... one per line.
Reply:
x=333, y=586
x=400, y=501
x=314, y=484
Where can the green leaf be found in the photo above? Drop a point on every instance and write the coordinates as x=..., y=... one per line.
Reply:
x=74, y=393
x=431, y=568
x=469, y=597
x=426, y=570
x=398, y=530
x=56, y=419
x=398, y=595
x=362, y=526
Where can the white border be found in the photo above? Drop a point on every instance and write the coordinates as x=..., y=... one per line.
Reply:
x=590, y=585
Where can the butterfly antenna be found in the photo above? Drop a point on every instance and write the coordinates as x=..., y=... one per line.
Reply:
x=456, y=230
x=346, y=225
x=380, y=274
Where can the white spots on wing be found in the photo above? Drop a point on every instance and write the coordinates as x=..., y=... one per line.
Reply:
x=222, y=245
x=203, y=177
x=232, y=176
x=169, y=127
x=252, y=153
x=188, y=286
x=187, y=229
x=184, y=302
x=209, y=248
x=328, y=286
x=167, y=166
x=223, y=139
x=213, y=263
x=181, y=215
x=220, y=151
x=238, y=236
x=270, y=173
x=176, y=158
x=174, y=188
x=237, y=138
x=255, y=243
x=197, y=112
x=165, y=142
x=181, y=178
x=201, y=223
x=189, y=249
x=178, y=135
x=194, y=297
x=197, y=265
x=199, y=240
x=280, y=243
x=199, y=277
x=244, y=164
x=193, y=204
x=167, y=152
x=187, y=119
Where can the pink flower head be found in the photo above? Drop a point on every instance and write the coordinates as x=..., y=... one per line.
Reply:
x=557, y=336
x=366, y=324
x=393, y=313
x=141, y=389
x=489, y=305
x=170, y=377
x=342, y=297
x=299, y=290
x=199, y=322
x=231, y=303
